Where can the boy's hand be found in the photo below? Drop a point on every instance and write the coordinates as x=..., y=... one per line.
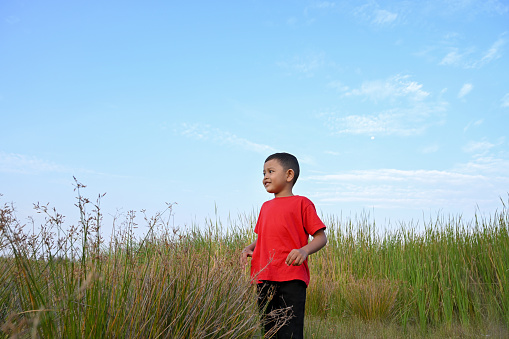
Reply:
x=246, y=252
x=296, y=257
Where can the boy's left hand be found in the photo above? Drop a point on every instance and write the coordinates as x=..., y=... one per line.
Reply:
x=296, y=257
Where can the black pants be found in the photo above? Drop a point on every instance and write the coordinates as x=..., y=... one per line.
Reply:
x=280, y=299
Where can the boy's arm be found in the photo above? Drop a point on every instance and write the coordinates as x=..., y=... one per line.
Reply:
x=297, y=256
x=247, y=252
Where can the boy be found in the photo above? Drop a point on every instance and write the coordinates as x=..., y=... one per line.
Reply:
x=279, y=254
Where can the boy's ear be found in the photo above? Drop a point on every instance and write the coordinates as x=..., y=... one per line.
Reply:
x=289, y=175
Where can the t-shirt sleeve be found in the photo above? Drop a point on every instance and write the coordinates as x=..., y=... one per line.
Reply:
x=312, y=222
x=257, y=226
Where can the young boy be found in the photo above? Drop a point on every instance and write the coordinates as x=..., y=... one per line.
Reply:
x=279, y=254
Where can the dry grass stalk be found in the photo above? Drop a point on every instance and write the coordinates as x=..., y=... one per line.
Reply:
x=371, y=299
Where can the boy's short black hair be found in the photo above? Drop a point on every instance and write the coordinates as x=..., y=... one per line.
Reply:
x=288, y=161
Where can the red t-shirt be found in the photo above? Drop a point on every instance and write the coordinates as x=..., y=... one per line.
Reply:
x=284, y=224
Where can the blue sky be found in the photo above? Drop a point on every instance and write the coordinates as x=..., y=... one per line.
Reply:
x=397, y=108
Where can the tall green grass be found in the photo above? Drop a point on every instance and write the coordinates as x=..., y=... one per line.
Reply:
x=167, y=284
x=451, y=271
x=69, y=281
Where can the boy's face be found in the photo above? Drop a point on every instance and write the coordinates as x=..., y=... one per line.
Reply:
x=275, y=179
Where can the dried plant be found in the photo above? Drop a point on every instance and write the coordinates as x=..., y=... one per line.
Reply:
x=371, y=299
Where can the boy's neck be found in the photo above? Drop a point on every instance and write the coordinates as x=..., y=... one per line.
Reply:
x=284, y=193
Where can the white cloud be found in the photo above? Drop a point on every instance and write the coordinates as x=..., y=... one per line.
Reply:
x=452, y=58
x=385, y=123
x=395, y=87
x=372, y=13
x=338, y=86
x=481, y=147
x=497, y=6
x=401, y=122
x=391, y=188
x=431, y=149
x=29, y=164
x=317, y=6
x=209, y=133
x=465, y=90
x=306, y=159
x=473, y=123
x=470, y=8
x=33, y=165
x=324, y=4
x=490, y=6
x=414, y=113
x=505, y=100
x=395, y=175
x=468, y=58
x=491, y=166
x=292, y=21
x=19, y=163
x=478, y=147
x=306, y=65
x=477, y=183
x=491, y=54
x=382, y=17
x=332, y=153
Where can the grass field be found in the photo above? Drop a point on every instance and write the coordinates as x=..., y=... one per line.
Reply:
x=447, y=278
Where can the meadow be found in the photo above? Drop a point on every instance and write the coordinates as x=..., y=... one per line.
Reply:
x=439, y=278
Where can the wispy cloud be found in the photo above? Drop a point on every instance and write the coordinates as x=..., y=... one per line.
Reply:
x=306, y=64
x=395, y=175
x=321, y=5
x=469, y=58
x=497, y=6
x=473, y=123
x=25, y=164
x=372, y=13
x=467, y=88
x=480, y=181
x=317, y=7
x=469, y=8
x=493, y=53
x=414, y=113
x=338, y=86
x=208, y=133
x=430, y=149
x=395, y=87
x=292, y=21
x=393, y=122
x=490, y=165
x=478, y=147
x=325, y=4
x=505, y=100
x=382, y=17
x=452, y=58
x=481, y=147
x=392, y=188
x=332, y=153
x=492, y=6
x=30, y=164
